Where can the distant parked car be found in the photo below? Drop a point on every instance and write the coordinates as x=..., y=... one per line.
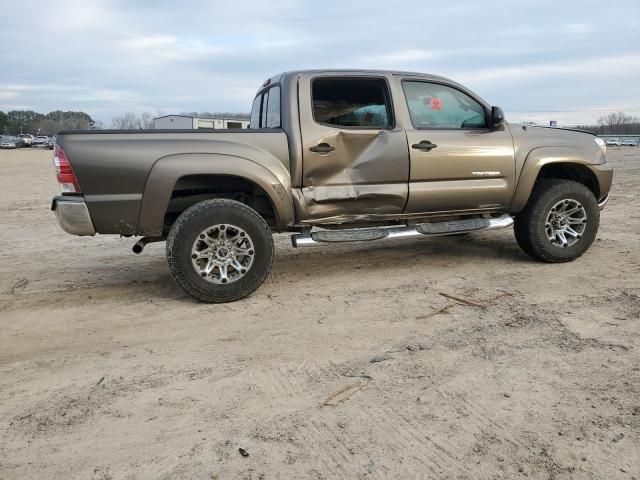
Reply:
x=11, y=142
x=40, y=141
x=51, y=142
x=629, y=142
x=614, y=141
x=27, y=138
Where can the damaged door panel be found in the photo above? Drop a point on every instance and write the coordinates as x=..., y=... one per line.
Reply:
x=355, y=163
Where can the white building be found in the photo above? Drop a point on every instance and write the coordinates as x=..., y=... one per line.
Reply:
x=183, y=122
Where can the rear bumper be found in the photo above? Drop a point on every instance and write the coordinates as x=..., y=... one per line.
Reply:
x=73, y=215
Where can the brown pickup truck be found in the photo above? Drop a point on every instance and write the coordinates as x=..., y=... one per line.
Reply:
x=333, y=156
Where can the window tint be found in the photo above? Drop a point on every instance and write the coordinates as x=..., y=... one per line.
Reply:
x=351, y=102
x=438, y=106
x=255, y=112
x=273, y=108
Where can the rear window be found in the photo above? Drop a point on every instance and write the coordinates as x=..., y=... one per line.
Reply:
x=255, y=112
x=351, y=102
x=265, y=112
x=273, y=108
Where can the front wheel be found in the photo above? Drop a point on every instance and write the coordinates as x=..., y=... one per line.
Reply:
x=559, y=223
x=219, y=250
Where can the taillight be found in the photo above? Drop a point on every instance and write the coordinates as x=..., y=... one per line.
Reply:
x=64, y=172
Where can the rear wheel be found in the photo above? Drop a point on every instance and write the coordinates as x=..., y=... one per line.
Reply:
x=559, y=223
x=219, y=250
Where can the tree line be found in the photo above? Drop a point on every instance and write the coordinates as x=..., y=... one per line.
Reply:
x=16, y=122
x=616, y=123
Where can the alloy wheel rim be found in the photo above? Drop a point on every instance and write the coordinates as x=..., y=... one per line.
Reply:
x=566, y=223
x=222, y=254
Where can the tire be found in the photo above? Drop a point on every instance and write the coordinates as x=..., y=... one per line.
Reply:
x=224, y=227
x=533, y=230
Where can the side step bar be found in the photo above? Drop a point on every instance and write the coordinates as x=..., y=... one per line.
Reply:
x=426, y=229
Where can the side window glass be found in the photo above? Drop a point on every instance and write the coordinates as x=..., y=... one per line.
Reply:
x=351, y=102
x=438, y=106
x=273, y=108
x=255, y=112
x=263, y=119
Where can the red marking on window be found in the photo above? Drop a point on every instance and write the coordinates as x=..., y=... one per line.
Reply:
x=435, y=103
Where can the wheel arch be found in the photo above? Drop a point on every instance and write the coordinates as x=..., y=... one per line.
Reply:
x=554, y=162
x=185, y=171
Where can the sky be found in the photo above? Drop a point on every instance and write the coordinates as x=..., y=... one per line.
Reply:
x=565, y=60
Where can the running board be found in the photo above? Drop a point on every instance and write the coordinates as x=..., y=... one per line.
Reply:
x=422, y=229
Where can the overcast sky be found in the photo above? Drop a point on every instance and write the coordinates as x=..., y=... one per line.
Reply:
x=566, y=60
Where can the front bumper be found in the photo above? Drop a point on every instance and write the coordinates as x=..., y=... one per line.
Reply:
x=604, y=176
x=603, y=201
x=73, y=215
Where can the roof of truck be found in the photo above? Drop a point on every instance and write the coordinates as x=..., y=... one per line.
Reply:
x=363, y=71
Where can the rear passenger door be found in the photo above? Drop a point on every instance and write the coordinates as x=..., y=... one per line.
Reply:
x=355, y=159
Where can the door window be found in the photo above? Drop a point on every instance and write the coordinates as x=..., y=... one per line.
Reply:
x=351, y=102
x=432, y=105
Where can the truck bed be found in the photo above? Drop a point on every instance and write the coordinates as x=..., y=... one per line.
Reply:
x=112, y=166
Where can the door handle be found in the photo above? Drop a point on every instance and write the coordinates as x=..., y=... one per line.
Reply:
x=322, y=148
x=424, y=146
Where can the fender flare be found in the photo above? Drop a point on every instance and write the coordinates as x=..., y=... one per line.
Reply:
x=535, y=161
x=168, y=170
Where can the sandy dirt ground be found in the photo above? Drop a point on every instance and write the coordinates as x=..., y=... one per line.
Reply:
x=335, y=368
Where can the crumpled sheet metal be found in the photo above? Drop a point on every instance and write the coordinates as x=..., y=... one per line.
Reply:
x=366, y=174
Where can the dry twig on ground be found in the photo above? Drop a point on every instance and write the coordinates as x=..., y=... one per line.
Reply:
x=351, y=386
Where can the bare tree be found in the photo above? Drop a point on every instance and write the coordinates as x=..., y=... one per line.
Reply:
x=128, y=121
x=146, y=121
x=617, y=123
x=131, y=121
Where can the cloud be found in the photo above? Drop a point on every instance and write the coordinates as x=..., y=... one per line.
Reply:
x=578, y=28
x=402, y=57
x=149, y=42
x=622, y=65
x=168, y=48
x=8, y=94
x=109, y=57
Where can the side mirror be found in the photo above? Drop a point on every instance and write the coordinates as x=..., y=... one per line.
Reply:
x=497, y=117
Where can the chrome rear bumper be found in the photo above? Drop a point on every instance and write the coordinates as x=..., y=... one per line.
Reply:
x=73, y=215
